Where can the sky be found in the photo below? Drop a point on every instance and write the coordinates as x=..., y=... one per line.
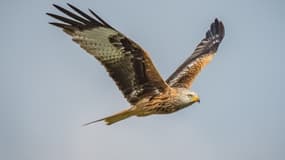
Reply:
x=49, y=86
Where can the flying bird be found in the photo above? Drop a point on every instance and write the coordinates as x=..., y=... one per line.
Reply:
x=131, y=67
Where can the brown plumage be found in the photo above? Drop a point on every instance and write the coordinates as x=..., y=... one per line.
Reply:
x=131, y=67
x=202, y=55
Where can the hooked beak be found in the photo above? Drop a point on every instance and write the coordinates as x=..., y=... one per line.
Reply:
x=196, y=99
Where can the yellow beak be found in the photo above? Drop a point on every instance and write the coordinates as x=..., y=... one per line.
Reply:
x=196, y=99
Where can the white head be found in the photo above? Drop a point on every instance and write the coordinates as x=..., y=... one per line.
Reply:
x=187, y=97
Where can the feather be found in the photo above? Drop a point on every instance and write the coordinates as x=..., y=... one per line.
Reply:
x=126, y=62
x=202, y=55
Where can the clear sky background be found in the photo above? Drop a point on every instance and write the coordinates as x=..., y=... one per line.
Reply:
x=49, y=86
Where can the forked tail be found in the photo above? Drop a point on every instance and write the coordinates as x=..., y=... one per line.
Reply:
x=114, y=118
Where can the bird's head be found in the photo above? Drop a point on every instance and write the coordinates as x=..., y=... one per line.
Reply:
x=188, y=97
x=193, y=97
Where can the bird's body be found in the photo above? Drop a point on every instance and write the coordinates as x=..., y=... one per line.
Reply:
x=163, y=103
x=132, y=69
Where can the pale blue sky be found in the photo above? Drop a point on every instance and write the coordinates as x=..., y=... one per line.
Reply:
x=50, y=87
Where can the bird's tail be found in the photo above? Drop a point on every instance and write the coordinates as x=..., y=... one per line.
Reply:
x=115, y=118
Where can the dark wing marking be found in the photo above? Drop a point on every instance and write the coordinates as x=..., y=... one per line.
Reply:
x=127, y=63
x=203, y=54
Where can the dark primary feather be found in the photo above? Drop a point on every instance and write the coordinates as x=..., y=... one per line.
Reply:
x=76, y=22
x=70, y=14
x=127, y=63
x=202, y=55
x=100, y=19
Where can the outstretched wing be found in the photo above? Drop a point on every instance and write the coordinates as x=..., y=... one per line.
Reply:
x=127, y=63
x=184, y=76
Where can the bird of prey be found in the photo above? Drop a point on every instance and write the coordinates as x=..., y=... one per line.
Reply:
x=132, y=69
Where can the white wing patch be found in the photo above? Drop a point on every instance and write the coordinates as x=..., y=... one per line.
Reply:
x=96, y=42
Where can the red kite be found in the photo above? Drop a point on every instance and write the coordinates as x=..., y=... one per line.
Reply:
x=131, y=67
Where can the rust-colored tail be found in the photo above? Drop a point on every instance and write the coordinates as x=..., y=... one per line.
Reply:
x=114, y=118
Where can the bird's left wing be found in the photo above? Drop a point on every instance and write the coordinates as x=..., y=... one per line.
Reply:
x=184, y=76
x=127, y=63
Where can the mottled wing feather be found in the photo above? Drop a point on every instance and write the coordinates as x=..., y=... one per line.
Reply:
x=184, y=76
x=127, y=63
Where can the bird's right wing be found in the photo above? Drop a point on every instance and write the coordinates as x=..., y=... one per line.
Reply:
x=184, y=76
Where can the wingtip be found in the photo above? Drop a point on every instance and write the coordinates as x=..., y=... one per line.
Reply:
x=216, y=20
x=215, y=34
x=56, y=24
x=217, y=28
x=71, y=6
x=58, y=7
x=55, y=5
x=90, y=10
x=50, y=14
